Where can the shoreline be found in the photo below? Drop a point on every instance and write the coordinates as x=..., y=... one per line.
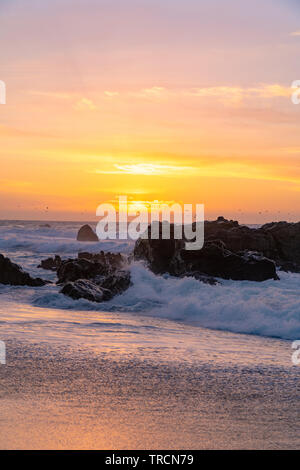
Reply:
x=54, y=398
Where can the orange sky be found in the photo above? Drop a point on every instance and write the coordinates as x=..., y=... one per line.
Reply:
x=153, y=100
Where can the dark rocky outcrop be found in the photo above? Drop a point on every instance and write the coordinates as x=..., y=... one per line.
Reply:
x=95, y=277
x=279, y=241
x=111, y=260
x=84, y=289
x=51, y=264
x=73, y=269
x=214, y=259
x=100, y=288
x=239, y=237
x=12, y=274
x=286, y=237
x=86, y=234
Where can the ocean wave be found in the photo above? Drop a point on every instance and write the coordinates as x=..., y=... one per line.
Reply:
x=270, y=308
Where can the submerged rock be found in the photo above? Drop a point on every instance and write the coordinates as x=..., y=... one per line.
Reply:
x=12, y=274
x=87, y=234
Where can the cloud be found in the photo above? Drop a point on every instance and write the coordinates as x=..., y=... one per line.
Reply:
x=295, y=33
x=111, y=93
x=85, y=103
x=148, y=169
x=235, y=95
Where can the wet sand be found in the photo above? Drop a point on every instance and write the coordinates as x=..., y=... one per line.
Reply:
x=54, y=398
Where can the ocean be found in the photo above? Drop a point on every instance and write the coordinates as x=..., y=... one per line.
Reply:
x=270, y=308
x=170, y=363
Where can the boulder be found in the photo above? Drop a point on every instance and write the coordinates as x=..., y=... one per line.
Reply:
x=73, y=269
x=51, y=264
x=12, y=274
x=114, y=284
x=84, y=289
x=87, y=234
x=96, y=277
x=100, y=288
x=112, y=260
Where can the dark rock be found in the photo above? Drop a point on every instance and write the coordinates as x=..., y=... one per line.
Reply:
x=288, y=267
x=95, y=277
x=84, y=289
x=279, y=241
x=286, y=237
x=73, y=269
x=99, y=289
x=51, y=264
x=86, y=234
x=45, y=226
x=13, y=274
x=239, y=237
x=214, y=259
x=158, y=253
x=112, y=260
x=114, y=284
x=202, y=278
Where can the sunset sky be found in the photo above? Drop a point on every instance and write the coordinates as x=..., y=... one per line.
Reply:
x=169, y=100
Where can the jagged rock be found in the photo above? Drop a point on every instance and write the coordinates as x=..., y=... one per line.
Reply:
x=13, y=274
x=158, y=253
x=51, y=264
x=115, y=283
x=99, y=289
x=279, y=241
x=84, y=289
x=239, y=237
x=73, y=269
x=95, y=277
x=287, y=240
x=214, y=259
x=113, y=260
x=86, y=234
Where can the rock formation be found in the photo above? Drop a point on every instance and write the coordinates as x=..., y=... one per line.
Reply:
x=12, y=274
x=86, y=234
